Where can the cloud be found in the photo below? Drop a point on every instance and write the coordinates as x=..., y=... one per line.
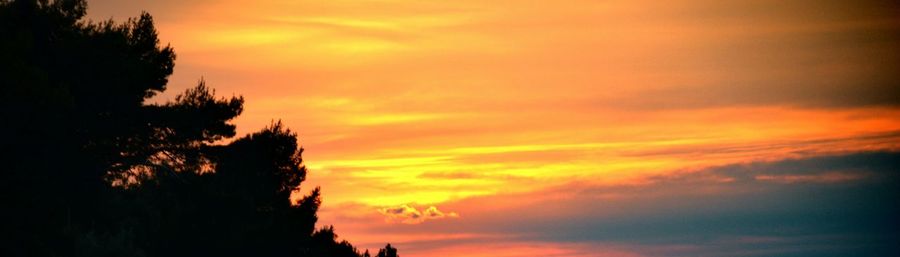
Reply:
x=826, y=205
x=410, y=215
x=831, y=177
x=832, y=168
x=433, y=213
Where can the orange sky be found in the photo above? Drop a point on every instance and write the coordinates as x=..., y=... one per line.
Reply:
x=474, y=107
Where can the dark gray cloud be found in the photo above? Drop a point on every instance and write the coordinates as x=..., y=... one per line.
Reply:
x=854, y=214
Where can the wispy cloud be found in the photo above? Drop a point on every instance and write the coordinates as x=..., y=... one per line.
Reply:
x=576, y=120
x=726, y=210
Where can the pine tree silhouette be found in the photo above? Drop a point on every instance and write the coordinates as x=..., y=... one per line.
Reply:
x=387, y=251
x=90, y=169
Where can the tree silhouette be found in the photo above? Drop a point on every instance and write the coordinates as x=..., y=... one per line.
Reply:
x=90, y=169
x=387, y=251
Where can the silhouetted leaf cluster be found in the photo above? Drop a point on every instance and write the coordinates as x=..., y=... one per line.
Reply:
x=387, y=251
x=90, y=169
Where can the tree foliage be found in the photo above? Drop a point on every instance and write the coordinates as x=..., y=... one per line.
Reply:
x=90, y=169
x=387, y=251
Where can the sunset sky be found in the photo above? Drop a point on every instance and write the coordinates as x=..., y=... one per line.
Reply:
x=568, y=128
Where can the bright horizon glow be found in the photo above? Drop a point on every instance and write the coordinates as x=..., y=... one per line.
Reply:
x=479, y=107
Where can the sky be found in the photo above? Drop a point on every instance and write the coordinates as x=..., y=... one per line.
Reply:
x=569, y=128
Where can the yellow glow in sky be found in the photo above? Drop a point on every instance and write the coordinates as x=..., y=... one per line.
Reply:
x=428, y=103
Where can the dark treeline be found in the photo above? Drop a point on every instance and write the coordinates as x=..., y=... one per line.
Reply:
x=90, y=169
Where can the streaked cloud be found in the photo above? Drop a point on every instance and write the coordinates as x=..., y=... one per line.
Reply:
x=719, y=211
x=832, y=177
x=604, y=127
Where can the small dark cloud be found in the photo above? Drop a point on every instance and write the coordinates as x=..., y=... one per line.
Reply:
x=880, y=165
